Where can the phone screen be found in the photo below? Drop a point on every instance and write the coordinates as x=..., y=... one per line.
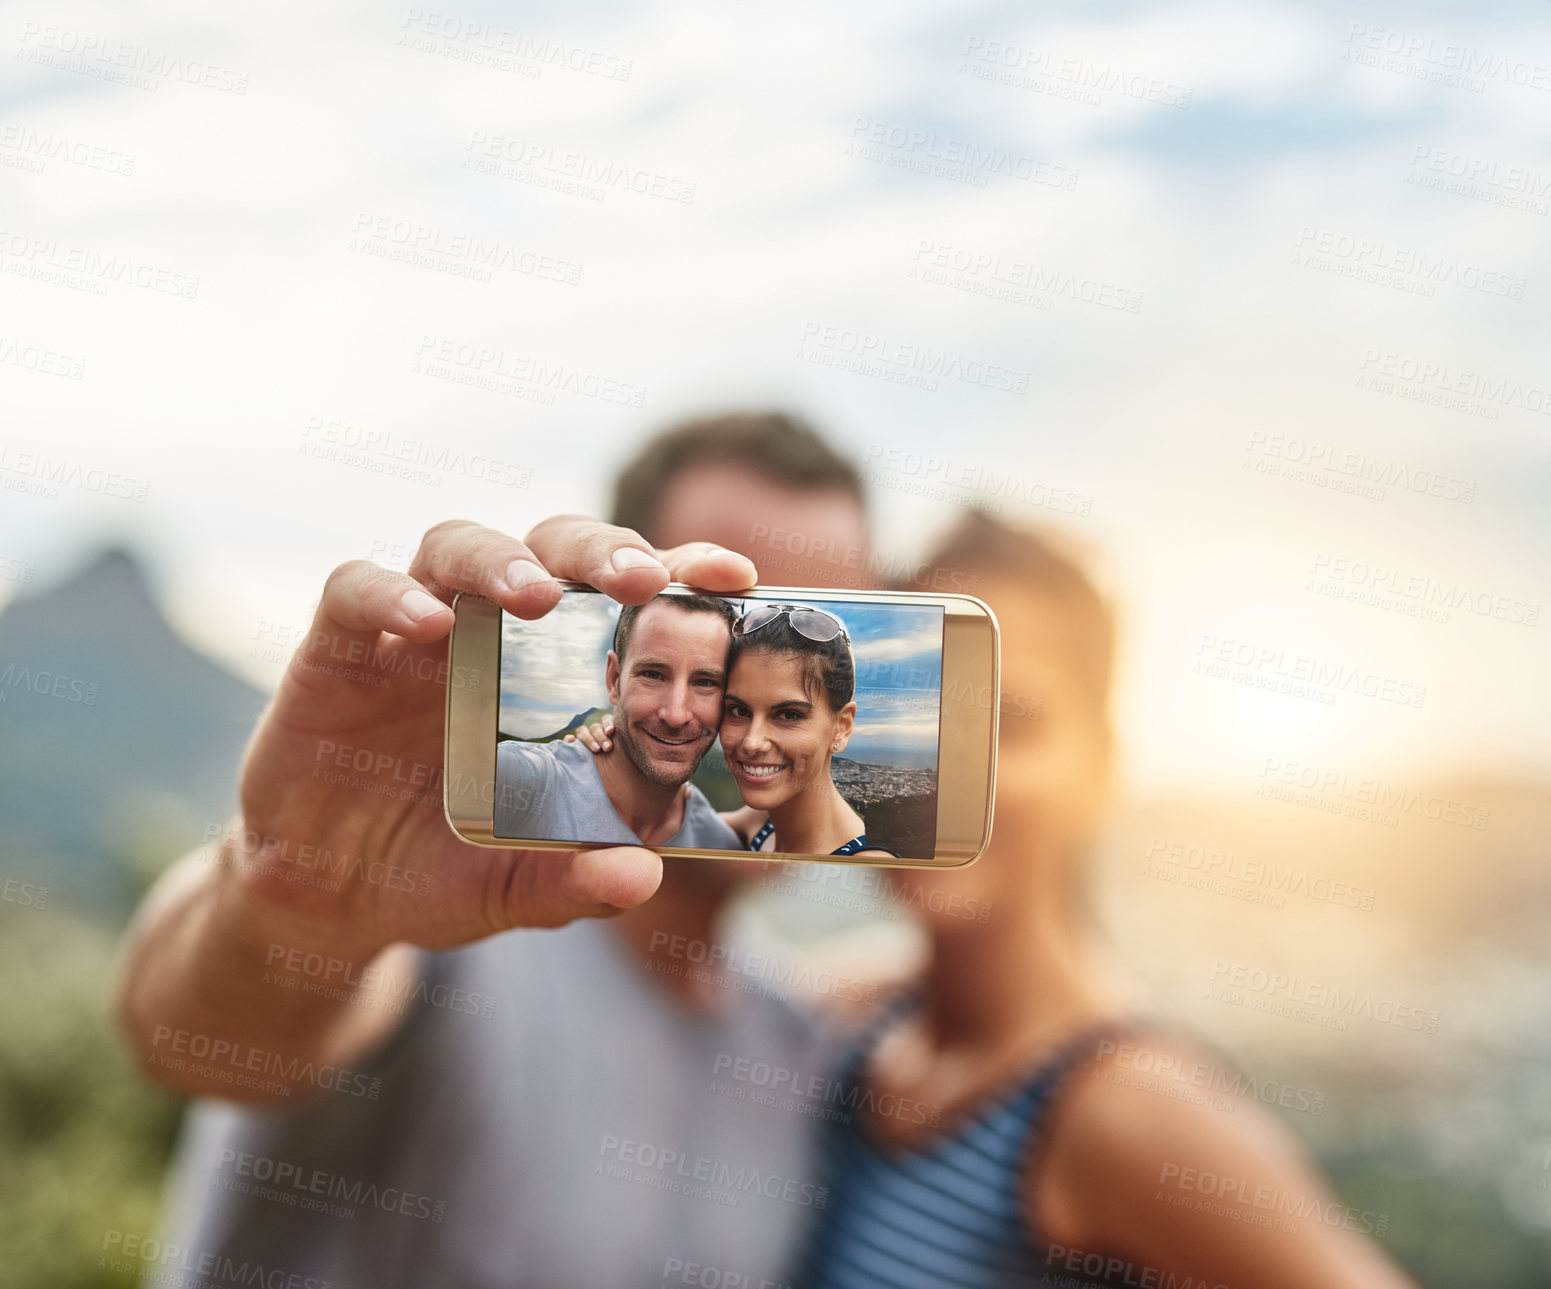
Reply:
x=793, y=722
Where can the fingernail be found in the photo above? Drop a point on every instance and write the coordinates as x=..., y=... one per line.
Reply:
x=628, y=557
x=524, y=572
x=419, y=605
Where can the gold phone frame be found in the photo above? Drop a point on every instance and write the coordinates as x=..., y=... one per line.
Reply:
x=966, y=733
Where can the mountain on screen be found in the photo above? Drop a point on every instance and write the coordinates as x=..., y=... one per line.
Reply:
x=588, y=717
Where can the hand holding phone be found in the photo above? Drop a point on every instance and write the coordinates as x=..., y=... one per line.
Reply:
x=341, y=820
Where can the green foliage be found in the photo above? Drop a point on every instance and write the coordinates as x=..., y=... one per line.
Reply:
x=1446, y=1230
x=83, y=1140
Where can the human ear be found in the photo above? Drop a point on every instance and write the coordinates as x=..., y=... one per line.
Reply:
x=845, y=722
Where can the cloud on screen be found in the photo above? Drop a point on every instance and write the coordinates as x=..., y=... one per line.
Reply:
x=552, y=668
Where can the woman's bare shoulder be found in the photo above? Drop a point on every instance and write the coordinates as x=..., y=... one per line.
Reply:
x=1137, y=1095
x=1152, y=1140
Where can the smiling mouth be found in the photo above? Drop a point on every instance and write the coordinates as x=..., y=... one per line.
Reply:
x=759, y=772
x=669, y=742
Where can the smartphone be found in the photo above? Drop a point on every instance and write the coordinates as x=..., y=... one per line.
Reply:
x=783, y=723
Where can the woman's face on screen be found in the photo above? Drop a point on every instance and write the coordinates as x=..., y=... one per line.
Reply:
x=778, y=738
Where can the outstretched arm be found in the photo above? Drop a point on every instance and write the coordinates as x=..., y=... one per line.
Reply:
x=322, y=865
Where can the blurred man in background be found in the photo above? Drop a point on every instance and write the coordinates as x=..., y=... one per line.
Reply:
x=433, y=1101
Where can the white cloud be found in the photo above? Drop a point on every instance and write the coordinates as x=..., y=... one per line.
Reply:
x=1144, y=414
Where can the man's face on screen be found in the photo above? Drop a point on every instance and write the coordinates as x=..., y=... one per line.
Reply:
x=667, y=690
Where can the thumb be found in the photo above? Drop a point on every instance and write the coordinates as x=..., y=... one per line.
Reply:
x=549, y=888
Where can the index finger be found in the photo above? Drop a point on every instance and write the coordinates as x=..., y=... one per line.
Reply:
x=617, y=561
x=460, y=555
x=623, y=565
x=710, y=567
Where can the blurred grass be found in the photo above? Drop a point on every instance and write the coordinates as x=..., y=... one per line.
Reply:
x=1445, y=1230
x=83, y=1140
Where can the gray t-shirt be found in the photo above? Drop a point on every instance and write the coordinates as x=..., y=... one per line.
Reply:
x=547, y=1116
x=554, y=791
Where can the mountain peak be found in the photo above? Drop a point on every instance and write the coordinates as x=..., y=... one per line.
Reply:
x=110, y=587
x=115, y=565
x=109, y=717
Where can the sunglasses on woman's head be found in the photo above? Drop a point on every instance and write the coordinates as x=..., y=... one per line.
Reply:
x=814, y=624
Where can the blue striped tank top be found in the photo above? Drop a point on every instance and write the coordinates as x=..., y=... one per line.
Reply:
x=850, y=848
x=950, y=1212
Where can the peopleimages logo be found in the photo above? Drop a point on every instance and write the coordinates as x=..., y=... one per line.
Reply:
x=289, y=1179
x=247, y=1066
x=1271, y=1200
x=36, y=149
x=668, y=1169
x=836, y=1098
x=1108, y=1269
x=1304, y=674
x=1304, y=460
x=1218, y=865
x=122, y=62
x=1043, y=70
x=497, y=44
x=1323, y=248
x=1156, y=1069
x=1436, y=375
x=865, y=347
x=1489, y=171
x=448, y=250
x=50, y=684
x=1373, y=791
x=1440, y=60
x=751, y=972
x=468, y=363
x=46, y=259
x=307, y=972
x=550, y=166
x=1019, y=281
x=1385, y=580
x=136, y=1255
x=918, y=148
x=986, y=485
x=1316, y=996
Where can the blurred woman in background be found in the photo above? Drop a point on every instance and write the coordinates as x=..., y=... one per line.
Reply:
x=1045, y=1160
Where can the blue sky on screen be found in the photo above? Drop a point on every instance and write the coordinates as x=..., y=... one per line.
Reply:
x=553, y=668
x=898, y=652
